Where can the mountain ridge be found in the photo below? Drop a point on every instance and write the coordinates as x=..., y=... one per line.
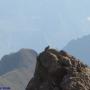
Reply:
x=17, y=68
x=22, y=58
x=80, y=48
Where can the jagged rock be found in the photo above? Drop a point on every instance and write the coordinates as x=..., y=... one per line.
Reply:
x=59, y=71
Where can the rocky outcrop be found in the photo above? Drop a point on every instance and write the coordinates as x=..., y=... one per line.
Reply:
x=59, y=71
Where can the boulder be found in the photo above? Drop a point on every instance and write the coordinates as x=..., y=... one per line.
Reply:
x=57, y=70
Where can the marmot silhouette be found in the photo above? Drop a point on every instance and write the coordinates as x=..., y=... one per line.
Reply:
x=47, y=48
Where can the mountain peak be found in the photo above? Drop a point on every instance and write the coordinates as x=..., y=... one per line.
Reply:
x=22, y=58
x=26, y=50
x=80, y=48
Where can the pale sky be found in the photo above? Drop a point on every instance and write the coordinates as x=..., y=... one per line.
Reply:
x=38, y=23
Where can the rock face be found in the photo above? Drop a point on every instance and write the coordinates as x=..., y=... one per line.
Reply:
x=59, y=71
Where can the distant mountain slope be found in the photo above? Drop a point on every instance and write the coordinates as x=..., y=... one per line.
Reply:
x=23, y=58
x=17, y=69
x=5, y=83
x=80, y=48
x=17, y=79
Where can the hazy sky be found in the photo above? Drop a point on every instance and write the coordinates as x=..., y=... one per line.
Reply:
x=37, y=23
